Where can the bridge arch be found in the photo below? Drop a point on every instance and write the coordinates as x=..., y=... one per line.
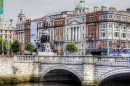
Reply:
x=113, y=72
x=60, y=67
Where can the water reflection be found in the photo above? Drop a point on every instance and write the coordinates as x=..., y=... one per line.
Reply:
x=44, y=84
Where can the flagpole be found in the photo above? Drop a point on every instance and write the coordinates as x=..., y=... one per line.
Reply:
x=1, y=12
x=2, y=36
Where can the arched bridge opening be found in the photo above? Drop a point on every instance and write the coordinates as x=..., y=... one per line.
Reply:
x=120, y=79
x=60, y=77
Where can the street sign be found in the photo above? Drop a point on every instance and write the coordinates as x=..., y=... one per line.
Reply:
x=7, y=45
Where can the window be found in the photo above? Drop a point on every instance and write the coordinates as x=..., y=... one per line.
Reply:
x=110, y=16
x=83, y=36
x=116, y=34
x=103, y=34
x=124, y=35
x=83, y=28
x=110, y=25
x=110, y=43
x=82, y=45
x=103, y=25
x=92, y=18
x=109, y=34
x=83, y=19
x=67, y=37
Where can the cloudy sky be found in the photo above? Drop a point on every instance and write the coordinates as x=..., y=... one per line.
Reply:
x=39, y=8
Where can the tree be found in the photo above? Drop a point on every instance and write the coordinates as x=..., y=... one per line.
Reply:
x=15, y=46
x=71, y=47
x=29, y=47
x=4, y=45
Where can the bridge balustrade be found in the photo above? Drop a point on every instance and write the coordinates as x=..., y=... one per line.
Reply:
x=24, y=57
x=61, y=59
x=113, y=61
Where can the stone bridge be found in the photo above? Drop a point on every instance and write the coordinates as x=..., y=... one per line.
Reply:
x=90, y=70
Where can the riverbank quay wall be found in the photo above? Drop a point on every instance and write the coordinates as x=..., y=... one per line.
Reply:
x=22, y=69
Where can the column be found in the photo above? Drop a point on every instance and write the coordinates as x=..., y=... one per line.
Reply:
x=127, y=36
x=76, y=34
x=79, y=33
x=73, y=33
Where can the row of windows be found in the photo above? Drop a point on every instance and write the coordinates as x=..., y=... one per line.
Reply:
x=59, y=23
x=114, y=17
x=116, y=34
x=111, y=25
x=6, y=32
x=20, y=27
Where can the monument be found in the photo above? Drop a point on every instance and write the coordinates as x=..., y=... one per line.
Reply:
x=45, y=41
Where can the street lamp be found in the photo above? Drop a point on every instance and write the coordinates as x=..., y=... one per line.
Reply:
x=8, y=42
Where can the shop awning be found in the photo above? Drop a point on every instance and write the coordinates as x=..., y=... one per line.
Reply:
x=102, y=50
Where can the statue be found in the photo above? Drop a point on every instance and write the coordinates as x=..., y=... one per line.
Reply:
x=45, y=24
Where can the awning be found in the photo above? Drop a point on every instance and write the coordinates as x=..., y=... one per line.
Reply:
x=102, y=50
x=103, y=30
x=116, y=30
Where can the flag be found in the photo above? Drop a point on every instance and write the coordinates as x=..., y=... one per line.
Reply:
x=1, y=6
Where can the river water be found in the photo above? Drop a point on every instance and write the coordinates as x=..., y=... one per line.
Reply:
x=67, y=84
x=43, y=84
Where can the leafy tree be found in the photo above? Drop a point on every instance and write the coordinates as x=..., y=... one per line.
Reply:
x=29, y=47
x=4, y=44
x=71, y=47
x=15, y=46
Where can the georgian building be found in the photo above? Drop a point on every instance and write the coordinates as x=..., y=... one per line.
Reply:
x=7, y=31
x=114, y=25
x=27, y=30
x=20, y=27
x=59, y=26
x=92, y=29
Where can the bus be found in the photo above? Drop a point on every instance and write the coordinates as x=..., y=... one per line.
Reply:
x=119, y=52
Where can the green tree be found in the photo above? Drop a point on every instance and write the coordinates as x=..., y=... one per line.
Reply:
x=29, y=47
x=71, y=47
x=15, y=46
x=4, y=44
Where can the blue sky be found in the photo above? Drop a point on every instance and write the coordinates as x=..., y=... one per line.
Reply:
x=39, y=8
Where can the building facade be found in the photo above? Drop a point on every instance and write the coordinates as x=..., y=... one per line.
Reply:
x=27, y=30
x=7, y=31
x=20, y=27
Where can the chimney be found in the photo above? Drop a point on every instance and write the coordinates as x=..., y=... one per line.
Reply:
x=111, y=9
x=104, y=8
x=96, y=9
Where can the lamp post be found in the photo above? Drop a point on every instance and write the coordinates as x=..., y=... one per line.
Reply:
x=9, y=35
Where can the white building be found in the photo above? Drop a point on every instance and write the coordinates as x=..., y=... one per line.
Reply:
x=114, y=25
x=7, y=31
x=20, y=27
